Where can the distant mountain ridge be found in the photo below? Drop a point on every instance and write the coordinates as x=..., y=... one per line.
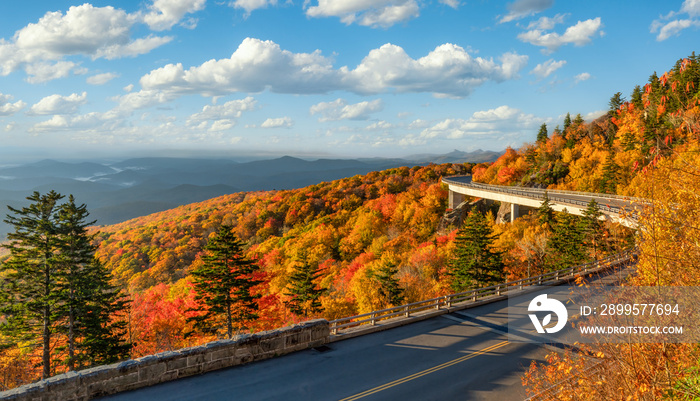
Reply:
x=116, y=192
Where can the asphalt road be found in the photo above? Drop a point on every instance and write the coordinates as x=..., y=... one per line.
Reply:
x=463, y=355
x=444, y=358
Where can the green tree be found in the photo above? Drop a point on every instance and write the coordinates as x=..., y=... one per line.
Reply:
x=101, y=330
x=302, y=289
x=389, y=290
x=223, y=284
x=475, y=262
x=615, y=102
x=52, y=289
x=567, y=121
x=32, y=304
x=542, y=134
x=545, y=213
x=565, y=246
x=609, y=179
x=636, y=98
x=92, y=305
x=592, y=227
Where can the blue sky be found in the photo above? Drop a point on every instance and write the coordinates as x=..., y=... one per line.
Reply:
x=318, y=78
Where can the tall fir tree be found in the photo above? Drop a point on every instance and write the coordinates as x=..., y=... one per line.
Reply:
x=609, y=179
x=592, y=228
x=567, y=121
x=545, y=213
x=224, y=286
x=542, y=135
x=390, y=291
x=475, y=263
x=52, y=289
x=303, y=289
x=33, y=305
x=565, y=246
x=92, y=305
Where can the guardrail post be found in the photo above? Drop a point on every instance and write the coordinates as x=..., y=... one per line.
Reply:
x=373, y=317
x=406, y=312
x=334, y=329
x=473, y=296
x=556, y=277
x=448, y=300
x=498, y=290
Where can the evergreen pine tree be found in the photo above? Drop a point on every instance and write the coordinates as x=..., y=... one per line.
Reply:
x=75, y=253
x=542, y=134
x=609, y=179
x=223, y=284
x=32, y=304
x=100, y=331
x=476, y=263
x=545, y=213
x=389, y=290
x=592, y=227
x=303, y=290
x=565, y=246
x=636, y=98
x=615, y=102
x=54, y=289
x=567, y=121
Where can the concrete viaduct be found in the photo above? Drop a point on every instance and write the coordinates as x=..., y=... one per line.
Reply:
x=619, y=209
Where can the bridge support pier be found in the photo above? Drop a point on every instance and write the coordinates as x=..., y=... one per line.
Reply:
x=514, y=211
x=455, y=198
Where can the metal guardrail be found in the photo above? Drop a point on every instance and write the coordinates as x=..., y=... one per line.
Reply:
x=533, y=194
x=476, y=294
x=550, y=191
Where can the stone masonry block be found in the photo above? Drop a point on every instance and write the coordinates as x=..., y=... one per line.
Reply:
x=152, y=373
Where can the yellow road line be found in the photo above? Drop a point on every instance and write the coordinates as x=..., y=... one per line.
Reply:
x=423, y=373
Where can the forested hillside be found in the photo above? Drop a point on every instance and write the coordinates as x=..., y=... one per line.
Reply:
x=648, y=146
x=367, y=242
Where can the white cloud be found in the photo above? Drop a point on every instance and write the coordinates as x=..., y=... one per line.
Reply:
x=379, y=126
x=251, y=5
x=339, y=109
x=545, y=23
x=594, y=114
x=97, y=32
x=7, y=108
x=418, y=124
x=451, y=3
x=523, y=8
x=222, y=125
x=229, y=110
x=164, y=14
x=373, y=13
x=101, y=79
x=668, y=27
x=284, y=122
x=547, y=68
x=258, y=65
x=42, y=72
x=57, y=104
x=579, y=35
x=129, y=88
x=494, y=123
x=584, y=76
x=141, y=99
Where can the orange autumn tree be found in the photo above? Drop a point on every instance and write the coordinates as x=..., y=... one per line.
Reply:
x=663, y=144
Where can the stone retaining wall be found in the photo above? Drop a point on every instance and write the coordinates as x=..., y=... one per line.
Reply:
x=166, y=366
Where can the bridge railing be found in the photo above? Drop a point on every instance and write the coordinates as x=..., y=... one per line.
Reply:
x=532, y=194
x=474, y=295
x=633, y=199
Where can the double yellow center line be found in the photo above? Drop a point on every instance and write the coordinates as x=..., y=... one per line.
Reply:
x=425, y=372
